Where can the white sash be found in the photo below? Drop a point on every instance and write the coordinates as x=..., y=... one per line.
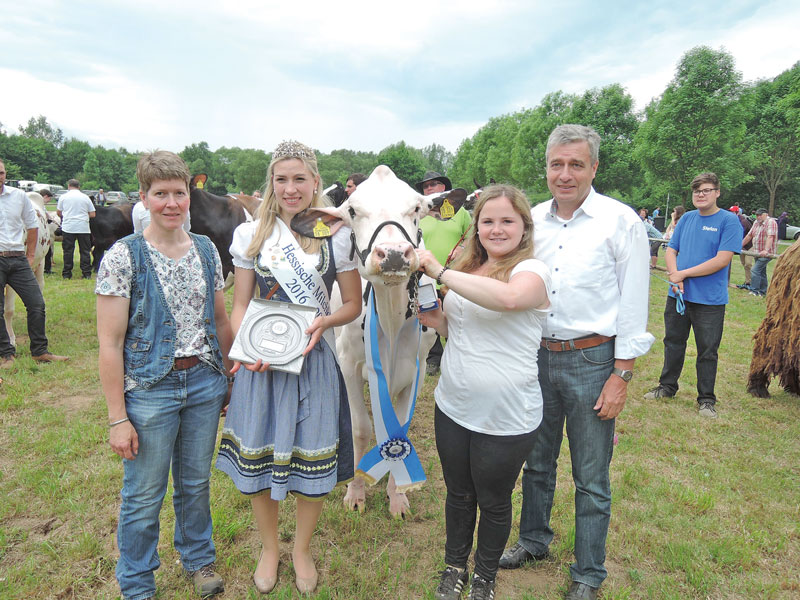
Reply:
x=296, y=272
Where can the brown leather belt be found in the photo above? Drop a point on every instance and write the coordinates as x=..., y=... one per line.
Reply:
x=12, y=253
x=590, y=341
x=185, y=363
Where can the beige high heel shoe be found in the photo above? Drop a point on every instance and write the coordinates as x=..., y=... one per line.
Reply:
x=264, y=585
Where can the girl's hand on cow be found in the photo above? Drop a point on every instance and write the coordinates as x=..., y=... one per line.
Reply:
x=124, y=440
x=316, y=329
x=428, y=263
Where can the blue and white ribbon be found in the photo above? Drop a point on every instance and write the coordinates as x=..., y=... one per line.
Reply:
x=394, y=452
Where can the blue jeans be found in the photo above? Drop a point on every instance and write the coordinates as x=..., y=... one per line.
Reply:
x=571, y=382
x=758, y=276
x=707, y=321
x=16, y=272
x=176, y=421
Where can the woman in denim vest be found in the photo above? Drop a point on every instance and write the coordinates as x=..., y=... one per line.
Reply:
x=163, y=333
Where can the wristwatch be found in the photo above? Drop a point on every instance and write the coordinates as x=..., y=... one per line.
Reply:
x=625, y=375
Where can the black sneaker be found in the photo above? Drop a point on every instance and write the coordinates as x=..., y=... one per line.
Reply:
x=481, y=589
x=658, y=392
x=451, y=584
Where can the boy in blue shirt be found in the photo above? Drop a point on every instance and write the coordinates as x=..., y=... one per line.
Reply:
x=698, y=257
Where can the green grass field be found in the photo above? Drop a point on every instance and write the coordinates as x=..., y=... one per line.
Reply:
x=701, y=508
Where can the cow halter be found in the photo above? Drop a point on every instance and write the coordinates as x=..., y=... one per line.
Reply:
x=363, y=255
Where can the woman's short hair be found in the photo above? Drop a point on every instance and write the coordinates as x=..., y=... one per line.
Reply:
x=474, y=254
x=706, y=177
x=161, y=165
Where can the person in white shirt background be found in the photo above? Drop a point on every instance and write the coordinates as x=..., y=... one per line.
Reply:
x=596, y=250
x=75, y=209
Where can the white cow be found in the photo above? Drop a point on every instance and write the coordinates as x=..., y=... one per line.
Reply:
x=389, y=260
x=43, y=243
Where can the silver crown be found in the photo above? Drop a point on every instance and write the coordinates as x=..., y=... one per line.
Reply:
x=293, y=149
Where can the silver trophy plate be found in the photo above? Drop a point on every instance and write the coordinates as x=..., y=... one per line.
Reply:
x=275, y=333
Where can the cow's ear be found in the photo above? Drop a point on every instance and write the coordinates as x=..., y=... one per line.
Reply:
x=198, y=181
x=317, y=222
x=445, y=205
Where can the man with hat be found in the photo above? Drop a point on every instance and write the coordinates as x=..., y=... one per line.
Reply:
x=764, y=235
x=441, y=235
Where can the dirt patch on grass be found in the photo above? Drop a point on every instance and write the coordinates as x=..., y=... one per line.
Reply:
x=73, y=403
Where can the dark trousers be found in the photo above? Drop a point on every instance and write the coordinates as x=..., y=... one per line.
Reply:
x=707, y=321
x=48, y=261
x=85, y=250
x=479, y=470
x=17, y=273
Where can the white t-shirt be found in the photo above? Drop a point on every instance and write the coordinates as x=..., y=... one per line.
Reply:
x=17, y=215
x=490, y=379
x=141, y=218
x=75, y=207
x=243, y=235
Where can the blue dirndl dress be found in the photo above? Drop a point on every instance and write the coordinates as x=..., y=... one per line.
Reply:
x=290, y=433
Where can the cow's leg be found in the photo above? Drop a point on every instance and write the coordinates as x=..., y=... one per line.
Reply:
x=38, y=272
x=355, y=498
x=8, y=314
x=398, y=501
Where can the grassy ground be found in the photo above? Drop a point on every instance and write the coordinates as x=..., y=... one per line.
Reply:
x=701, y=509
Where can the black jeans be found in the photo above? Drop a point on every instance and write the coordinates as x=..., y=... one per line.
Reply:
x=85, y=250
x=17, y=273
x=707, y=321
x=480, y=470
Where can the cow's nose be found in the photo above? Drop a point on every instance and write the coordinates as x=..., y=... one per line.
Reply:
x=394, y=256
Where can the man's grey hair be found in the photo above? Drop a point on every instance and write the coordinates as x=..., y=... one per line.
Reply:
x=569, y=134
x=74, y=183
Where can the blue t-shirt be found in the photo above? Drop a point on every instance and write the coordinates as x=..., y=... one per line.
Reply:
x=698, y=239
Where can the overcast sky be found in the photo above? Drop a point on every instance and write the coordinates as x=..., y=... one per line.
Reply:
x=357, y=74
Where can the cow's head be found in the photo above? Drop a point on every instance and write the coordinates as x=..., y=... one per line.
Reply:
x=384, y=214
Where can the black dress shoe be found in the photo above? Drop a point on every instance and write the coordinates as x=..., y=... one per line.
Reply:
x=581, y=591
x=516, y=556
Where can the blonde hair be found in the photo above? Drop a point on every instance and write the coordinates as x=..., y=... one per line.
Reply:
x=268, y=210
x=474, y=254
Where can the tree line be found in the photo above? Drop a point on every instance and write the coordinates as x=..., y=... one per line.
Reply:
x=706, y=119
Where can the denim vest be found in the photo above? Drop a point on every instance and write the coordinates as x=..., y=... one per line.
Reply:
x=149, y=350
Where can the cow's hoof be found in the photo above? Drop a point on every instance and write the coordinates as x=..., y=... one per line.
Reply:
x=355, y=498
x=398, y=505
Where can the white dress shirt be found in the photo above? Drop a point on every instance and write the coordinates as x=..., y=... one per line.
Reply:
x=599, y=264
x=75, y=207
x=16, y=217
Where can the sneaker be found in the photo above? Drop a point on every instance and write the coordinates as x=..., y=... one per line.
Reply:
x=707, y=409
x=452, y=583
x=658, y=392
x=581, y=591
x=516, y=556
x=207, y=582
x=481, y=589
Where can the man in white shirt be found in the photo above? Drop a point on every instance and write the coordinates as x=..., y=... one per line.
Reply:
x=596, y=248
x=18, y=236
x=75, y=209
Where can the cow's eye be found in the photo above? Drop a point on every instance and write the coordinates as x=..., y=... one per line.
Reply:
x=352, y=212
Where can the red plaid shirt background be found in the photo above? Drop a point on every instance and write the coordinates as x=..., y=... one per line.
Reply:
x=765, y=236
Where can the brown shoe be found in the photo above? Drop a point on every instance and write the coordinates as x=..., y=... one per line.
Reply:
x=48, y=357
x=7, y=362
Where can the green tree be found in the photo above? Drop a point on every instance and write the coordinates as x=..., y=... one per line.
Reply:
x=39, y=128
x=406, y=162
x=437, y=158
x=609, y=111
x=250, y=170
x=696, y=125
x=91, y=171
x=771, y=140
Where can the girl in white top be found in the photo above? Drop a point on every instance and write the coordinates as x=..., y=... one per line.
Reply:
x=488, y=400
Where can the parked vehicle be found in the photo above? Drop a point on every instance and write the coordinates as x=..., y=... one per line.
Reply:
x=133, y=196
x=792, y=232
x=26, y=185
x=114, y=197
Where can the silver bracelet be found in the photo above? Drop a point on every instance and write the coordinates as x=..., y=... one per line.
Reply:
x=110, y=425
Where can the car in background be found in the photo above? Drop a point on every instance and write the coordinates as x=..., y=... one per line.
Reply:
x=114, y=197
x=133, y=196
x=792, y=232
